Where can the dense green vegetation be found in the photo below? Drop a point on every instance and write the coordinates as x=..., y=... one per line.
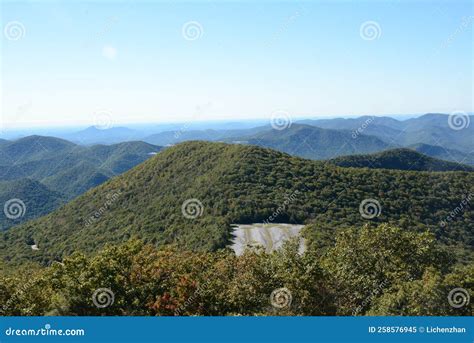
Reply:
x=32, y=148
x=401, y=159
x=56, y=162
x=313, y=142
x=45, y=171
x=243, y=184
x=36, y=200
x=376, y=271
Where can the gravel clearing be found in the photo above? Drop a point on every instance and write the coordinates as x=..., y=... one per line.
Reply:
x=270, y=236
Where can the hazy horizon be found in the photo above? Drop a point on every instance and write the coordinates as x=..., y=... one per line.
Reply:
x=73, y=63
x=198, y=124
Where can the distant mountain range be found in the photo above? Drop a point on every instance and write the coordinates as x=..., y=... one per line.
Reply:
x=60, y=170
x=436, y=135
x=432, y=129
x=430, y=134
x=313, y=142
x=94, y=135
x=168, y=138
x=160, y=134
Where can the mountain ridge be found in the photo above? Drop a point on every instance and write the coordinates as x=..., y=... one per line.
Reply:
x=400, y=159
x=313, y=142
x=436, y=129
x=230, y=183
x=61, y=170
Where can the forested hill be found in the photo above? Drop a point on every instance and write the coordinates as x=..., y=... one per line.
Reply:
x=43, y=172
x=401, y=159
x=25, y=199
x=241, y=184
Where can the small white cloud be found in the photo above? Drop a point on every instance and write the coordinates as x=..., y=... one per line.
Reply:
x=109, y=52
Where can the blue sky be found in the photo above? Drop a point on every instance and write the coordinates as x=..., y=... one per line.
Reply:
x=73, y=59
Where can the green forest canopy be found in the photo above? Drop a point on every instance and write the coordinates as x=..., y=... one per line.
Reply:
x=242, y=184
x=406, y=274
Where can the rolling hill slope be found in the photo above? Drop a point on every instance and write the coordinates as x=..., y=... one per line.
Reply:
x=219, y=184
x=32, y=148
x=54, y=170
x=26, y=199
x=66, y=167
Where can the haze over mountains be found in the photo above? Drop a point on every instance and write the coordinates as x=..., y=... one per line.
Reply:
x=60, y=170
x=94, y=135
x=435, y=130
x=432, y=128
x=430, y=134
x=313, y=142
x=435, y=135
